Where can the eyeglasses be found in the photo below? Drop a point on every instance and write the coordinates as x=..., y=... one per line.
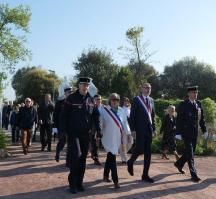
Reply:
x=27, y=101
x=116, y=100
x=98, y=99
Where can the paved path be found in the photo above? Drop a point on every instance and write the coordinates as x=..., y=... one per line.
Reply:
x=38, y=176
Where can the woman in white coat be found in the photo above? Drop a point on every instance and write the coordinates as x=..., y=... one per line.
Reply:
x=114, y=126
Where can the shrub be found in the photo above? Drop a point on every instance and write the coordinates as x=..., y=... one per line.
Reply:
x=3, y=140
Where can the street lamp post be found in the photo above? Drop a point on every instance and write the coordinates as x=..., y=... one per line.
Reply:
x=53, y=72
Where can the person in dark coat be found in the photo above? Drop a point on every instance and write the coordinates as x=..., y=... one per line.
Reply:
x=142, y=122
x=25, y=121
x=94, y=140
x=79, y=113
x=13, y=123
x=56, y=117
x=189, y=117
x=45, y=118
x=168, y=129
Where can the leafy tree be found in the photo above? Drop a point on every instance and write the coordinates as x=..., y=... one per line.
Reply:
x=12, y=48
x=188, y=72
x=123, y=83
x=137, y=50
x=34, y=82
x=141, y=71
x=97, y=64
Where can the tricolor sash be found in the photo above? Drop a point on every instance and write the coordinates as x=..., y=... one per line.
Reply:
x=116, y=120
x=146, y=107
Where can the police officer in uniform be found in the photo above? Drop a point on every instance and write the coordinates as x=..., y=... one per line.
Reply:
x=56, y=117
x=79, y=114
x=189, y=117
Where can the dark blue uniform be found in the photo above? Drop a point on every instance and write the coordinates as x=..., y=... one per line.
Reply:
x=79, y=113
x=189, y=117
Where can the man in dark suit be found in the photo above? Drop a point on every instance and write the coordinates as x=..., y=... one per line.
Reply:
x=45, y=118
x=56, y=118
x=142, y=122
x=189, y=116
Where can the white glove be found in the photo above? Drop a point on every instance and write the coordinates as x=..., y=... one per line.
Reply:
x=178, y=137
x=205, y=135
x=55, y=130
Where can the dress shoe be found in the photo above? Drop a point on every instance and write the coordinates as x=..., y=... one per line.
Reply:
x=130, y=168
x=195, y=179
x=147, y=179
x=57, y=158
x=25, y=152
x=124, y=162
x=116, y=185
x=73, y=190
x=106, y=179
x=42, y=148
x=179, y=169
x=80, y=188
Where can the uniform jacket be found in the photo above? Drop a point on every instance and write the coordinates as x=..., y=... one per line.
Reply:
x=78, y=115
x=112, y=136
x=189, y=117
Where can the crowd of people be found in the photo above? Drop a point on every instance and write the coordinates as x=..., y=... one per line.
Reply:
x=85, y=123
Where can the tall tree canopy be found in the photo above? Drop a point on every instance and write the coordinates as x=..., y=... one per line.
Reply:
x=34, y=82
x=188, y=72
x=14, y=24
x=97, y=64
x=123, y=83
x=142, y=72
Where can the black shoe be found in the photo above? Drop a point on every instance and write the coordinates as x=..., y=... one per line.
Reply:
x=147, y=179
x=57, y=157
x=124, y=162
x=73, y=190
x=130, y=168
x=195, y=179
x=116, y=185
x=179, y=169
x=80, y=188
x=106, y=179
x=42, y=148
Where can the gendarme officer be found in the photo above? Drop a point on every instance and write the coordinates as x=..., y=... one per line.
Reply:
x=79, y=113
x=189, y=117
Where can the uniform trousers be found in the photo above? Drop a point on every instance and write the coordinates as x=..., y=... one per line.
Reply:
x=188, y=156
x=77, y=151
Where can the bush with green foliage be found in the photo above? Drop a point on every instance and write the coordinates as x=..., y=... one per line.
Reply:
x=3, y=140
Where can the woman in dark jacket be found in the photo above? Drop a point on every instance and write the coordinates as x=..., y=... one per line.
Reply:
x=168, y=130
